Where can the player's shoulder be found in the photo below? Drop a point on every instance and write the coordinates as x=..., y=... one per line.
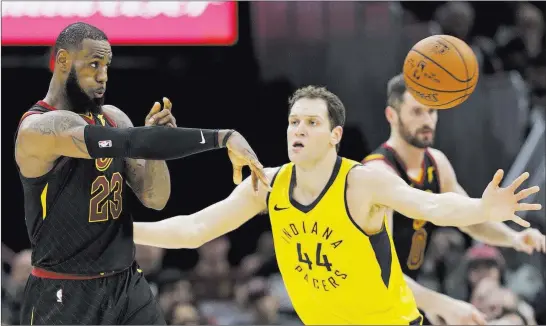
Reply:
x=49, y=120
x=121, y=118
x=365, y=174
x=439, y=157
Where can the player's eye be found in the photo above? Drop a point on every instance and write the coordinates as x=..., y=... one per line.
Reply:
x=94, y=65
x=313, y=122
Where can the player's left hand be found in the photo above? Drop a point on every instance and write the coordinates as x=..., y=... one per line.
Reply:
x=530, y=240
x=158, y=117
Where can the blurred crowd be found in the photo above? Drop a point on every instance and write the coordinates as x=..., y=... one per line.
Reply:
x=214, y=292
x=509, y=37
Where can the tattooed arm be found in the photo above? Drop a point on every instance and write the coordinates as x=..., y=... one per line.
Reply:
x=149, y=179
x=42, y=138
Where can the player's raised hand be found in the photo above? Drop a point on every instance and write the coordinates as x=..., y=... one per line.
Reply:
x=501, y=203
x=158, y=117
x=241, y=154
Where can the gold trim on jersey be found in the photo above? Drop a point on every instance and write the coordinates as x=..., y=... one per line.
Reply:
x=43, y=200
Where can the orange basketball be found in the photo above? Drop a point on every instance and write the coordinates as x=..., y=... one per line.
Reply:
x=441, y=71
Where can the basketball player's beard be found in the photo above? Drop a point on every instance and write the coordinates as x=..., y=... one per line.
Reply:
x=413, y=139
x=78, y=100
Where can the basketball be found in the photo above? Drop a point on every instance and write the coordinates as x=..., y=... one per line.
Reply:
x=441, y=71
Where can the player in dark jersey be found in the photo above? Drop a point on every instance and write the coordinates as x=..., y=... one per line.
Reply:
x=408, y=153
x=76, y=157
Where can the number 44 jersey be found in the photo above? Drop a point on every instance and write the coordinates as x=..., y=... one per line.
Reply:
x=335, y=273
x=75, y=213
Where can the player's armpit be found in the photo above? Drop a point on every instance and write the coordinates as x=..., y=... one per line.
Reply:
x=192, y=231
x=385, y=188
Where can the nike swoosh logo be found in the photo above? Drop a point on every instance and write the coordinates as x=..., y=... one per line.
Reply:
x=279, y=208
x=202, y=138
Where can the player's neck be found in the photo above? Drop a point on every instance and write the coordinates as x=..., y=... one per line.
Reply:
x=56, y=95
x=412, y=156
x=311, y=179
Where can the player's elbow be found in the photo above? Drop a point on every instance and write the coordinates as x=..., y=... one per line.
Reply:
x=157, y=203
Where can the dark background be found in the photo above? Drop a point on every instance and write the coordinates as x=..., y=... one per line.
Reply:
x=210, y=87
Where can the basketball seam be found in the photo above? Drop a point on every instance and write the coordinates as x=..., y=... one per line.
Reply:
x=464, y=63
x=442, y=104
x=437, y=90
x=444, y=69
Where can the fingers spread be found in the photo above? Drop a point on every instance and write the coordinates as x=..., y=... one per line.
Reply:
x=520, y=221
x=519, y=180
x=527, y=192
x=497, y=178
x=528, y=207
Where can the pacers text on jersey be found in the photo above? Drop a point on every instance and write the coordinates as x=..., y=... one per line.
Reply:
x=309, y=264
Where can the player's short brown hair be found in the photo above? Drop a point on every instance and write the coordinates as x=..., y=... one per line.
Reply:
x=396, y=87
x=336, y=109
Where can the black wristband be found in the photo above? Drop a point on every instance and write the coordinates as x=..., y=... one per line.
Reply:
x=226, y=137
x=153, y=143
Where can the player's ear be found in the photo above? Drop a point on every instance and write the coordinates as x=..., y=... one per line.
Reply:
x=390, y=114
x=335, y=135
x=63, y=60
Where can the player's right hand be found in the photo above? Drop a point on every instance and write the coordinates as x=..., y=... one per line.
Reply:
x=456, y=312
x=500, y=204
x=240, y=153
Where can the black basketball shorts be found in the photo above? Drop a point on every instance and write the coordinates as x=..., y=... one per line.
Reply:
x=120, y=299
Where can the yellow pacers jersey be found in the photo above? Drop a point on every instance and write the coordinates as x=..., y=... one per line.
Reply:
x=334, y=273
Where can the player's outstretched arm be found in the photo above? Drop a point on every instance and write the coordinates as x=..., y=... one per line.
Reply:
x=47, y=136
x=491, y=233
x=192, y=231
x=447, y=209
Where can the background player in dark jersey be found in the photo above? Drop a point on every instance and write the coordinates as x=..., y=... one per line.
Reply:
x=75, y=156
x=408, y=153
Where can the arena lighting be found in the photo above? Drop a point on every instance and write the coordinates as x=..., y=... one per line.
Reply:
x=27, y=23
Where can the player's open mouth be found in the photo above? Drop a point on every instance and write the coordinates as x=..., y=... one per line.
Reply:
x=297, y=144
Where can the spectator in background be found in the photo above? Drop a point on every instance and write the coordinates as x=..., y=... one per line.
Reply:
x=522, y=42
x=536, y=78
x=174, y=287
x=150, y=260
x=186, y=314
x=211, y=277
x=21, y=268
x=263, y=261
x=457, y=19
x=500, y=305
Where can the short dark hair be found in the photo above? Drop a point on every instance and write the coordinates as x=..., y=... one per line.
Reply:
x=72, y=36
x=396, y=87
x=336, y=109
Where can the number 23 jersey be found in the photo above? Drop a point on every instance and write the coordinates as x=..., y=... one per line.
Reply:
x=334, y=273
x=75, y=214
